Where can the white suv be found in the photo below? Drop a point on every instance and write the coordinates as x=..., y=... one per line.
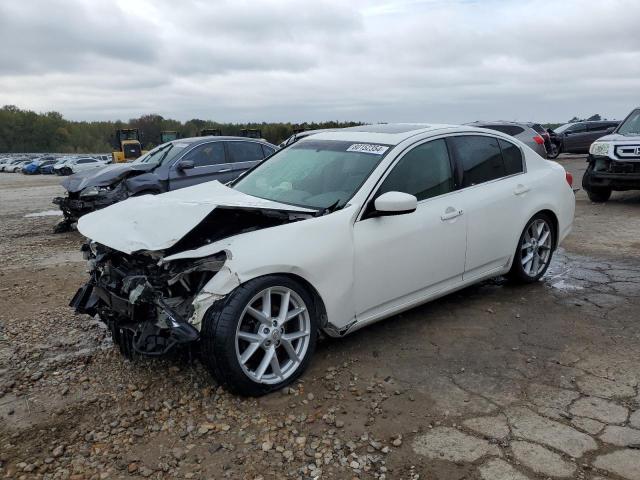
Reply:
x=614, y=161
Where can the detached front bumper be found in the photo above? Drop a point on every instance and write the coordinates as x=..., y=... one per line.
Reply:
x=604, y=172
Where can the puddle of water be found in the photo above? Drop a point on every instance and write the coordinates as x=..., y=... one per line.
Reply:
x=566, y=287
x=46, y=213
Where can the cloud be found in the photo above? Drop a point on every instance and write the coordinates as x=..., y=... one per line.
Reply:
x=404, y=60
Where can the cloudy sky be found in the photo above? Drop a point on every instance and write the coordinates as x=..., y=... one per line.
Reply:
x=280, y=60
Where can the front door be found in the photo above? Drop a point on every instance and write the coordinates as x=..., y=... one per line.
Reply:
x=575, y=137
x=402, y=259
x=209, y=163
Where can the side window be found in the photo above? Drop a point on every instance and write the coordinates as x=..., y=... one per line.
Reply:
x=512, y=157
x=207, y=154
x=267, y=150
x=576, y=128
x=480, y=158
x=244, y=152
x=85, y=160
x=596, y=127
x=424, y=172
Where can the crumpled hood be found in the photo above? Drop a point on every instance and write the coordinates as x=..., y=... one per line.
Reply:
x=157, y=222
x=104, y=176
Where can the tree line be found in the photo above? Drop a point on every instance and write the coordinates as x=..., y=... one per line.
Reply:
x=28, y=131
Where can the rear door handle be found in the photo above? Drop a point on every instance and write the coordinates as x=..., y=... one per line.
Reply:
x=450, y=213
x=521, y=190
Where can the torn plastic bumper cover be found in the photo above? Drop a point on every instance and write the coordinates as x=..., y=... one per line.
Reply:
x=145, y=306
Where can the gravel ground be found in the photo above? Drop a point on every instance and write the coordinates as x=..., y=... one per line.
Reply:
x=493, y=382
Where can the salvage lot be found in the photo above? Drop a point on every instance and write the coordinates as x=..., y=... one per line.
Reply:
x=541, y=379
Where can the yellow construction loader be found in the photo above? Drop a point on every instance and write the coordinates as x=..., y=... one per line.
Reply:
x=168, y=136
x=127, y=141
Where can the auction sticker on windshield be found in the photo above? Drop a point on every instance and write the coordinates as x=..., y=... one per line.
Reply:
x=368, y=148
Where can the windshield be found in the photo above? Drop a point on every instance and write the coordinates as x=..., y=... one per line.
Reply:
x=313, y=173
x=631, y=125
x=562, y=128
x=163, y=153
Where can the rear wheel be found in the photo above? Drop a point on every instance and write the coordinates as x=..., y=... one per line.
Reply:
x=535, y=249
x=261, y=337
x=599, y=195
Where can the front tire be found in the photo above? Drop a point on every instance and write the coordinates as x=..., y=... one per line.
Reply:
x=599, y=195
x=261, y=337
x=554, y=151
x=534, y=251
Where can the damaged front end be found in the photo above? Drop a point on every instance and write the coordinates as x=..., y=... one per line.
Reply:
x=147, y=306
x=79, y=203
x=149, y=303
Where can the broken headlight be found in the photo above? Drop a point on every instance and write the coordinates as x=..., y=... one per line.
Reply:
x=93, y=191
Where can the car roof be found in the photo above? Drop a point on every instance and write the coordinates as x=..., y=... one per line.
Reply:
x=501, y=122
x=208, y=138
x=385, y=133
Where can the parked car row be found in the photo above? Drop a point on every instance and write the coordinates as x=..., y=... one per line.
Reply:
x=52, y=164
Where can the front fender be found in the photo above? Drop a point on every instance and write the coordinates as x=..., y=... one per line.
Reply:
x=144, y=182
x=318, y=250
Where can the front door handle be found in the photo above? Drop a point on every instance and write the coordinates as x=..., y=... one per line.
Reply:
x=521, y=190
x=450, y=213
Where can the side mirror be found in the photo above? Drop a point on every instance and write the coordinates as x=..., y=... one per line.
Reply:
x=185, y=165
x=395, y=203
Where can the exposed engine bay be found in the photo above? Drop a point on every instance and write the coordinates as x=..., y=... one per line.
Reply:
x=148, y=304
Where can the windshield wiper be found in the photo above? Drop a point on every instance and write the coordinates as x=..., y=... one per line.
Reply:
x=331, y=208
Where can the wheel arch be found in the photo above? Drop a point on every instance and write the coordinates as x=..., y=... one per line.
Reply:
x=555, y=224
x=318, y=302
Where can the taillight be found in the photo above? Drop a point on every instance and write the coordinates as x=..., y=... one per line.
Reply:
x=569, y=178
x=538, y=139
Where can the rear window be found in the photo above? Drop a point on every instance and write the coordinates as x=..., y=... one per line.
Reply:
x=508, y=129
x=538, y=128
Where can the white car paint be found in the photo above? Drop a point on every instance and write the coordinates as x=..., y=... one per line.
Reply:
x=140, y=216
x=81, y=167
x=15, y=167
x=364, y=270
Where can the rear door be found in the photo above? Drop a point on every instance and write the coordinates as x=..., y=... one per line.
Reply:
x=209, y=163
x=494, y=190
x=242, y=156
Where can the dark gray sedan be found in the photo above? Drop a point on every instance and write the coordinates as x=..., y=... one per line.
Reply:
x=173, y=165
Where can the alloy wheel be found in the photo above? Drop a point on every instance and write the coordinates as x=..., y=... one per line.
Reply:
x=273, y=335
x=535, y=248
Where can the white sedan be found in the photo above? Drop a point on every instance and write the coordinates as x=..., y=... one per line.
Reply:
x=334, y=232
x=75, y=165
